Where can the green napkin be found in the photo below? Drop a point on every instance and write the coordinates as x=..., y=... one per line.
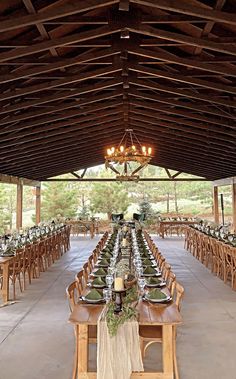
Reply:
x=149, y=270
x=156, y=294
x=94, y=295
x=99, y=281
x=147, y=262
x=103, y=262
x=101, y=272
x=153, y=280
x=106, y=254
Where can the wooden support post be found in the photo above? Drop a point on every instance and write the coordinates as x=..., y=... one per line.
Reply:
x=38, y=204
x=234, y=205
x=19, y=205
x=216, y=205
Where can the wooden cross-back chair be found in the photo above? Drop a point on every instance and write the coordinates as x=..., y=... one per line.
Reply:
x=73, y=294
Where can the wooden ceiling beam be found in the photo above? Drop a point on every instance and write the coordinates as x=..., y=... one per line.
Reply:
x=185, y=79
x=195, y=106
x=58, y=141
x=68, y=115
x=35, y=135
x=181, y=38
x=52, y=14
x=62, y=63
x=59, y=108
x=57, y=42
x=189, y=9
x=178, y=139
x=79, y=122
x=221, y=145
x=221, y=140
x=182, y=113
x=61, y=96
x=37, y=158
x=197, y=128
x=60, y=82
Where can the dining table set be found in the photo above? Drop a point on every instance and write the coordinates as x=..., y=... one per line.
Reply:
x=27, y=253
x=215, y=247
x=168, y=226
x=125, y=293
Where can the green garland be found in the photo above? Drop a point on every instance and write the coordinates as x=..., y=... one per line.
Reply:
x=128, y=312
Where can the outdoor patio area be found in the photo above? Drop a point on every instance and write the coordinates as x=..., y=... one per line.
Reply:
x=37, y=341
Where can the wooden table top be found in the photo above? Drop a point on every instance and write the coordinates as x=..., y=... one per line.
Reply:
x=4, y=260
x=149, y=314
x=175, y=222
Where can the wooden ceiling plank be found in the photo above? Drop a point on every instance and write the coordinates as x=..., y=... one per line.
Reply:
x=68, y=9
x=183, y=79
x=193, y=106
x=171, y=58
x=192, y=41
x=175, y=90
x=66, y=118
x=57, y=42
x=184, y=8
x=62, y=63
x=61, y=95
x=180, y=122
x=59, y=108
x=184, y=113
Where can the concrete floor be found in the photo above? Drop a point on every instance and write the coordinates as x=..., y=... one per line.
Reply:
x=36, y=342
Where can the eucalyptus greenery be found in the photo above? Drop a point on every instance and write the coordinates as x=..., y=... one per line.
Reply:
x=128, y=311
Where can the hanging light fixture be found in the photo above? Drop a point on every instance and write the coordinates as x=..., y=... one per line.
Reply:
x=129, y=150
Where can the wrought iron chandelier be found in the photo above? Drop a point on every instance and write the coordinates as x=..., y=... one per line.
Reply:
x=129, y=150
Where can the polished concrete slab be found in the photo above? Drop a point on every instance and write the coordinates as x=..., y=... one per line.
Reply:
x=36, y=340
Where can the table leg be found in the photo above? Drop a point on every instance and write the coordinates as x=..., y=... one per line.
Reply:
x=167, y=350
x=5, y=282
x=82, y=350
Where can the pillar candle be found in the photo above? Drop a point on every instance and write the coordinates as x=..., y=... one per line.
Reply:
x=119, y=284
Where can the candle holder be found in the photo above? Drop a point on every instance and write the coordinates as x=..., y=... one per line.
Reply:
x=118, y=299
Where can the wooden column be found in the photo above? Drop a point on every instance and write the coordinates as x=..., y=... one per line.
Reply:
x=38, y=204
x=234, y=205
x=216, y=205
x=19, y=206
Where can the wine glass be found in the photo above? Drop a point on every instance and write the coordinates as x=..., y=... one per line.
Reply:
x=141, y=284
x=109, y=280
x=107, y=294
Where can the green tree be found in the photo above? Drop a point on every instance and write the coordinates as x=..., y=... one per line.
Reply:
x=109, y=198
x=58, y=198
x=7, y=206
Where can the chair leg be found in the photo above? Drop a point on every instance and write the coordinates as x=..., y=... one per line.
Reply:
x=74, y=374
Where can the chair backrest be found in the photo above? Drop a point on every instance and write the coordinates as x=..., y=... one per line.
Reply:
x=179, y=292
x=72, y=294
x=86, y=271
x=81, y=282
x=166, y=270
x=171, y=282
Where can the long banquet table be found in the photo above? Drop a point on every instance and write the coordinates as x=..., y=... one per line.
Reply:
x=85, y=315
x=49, y=244
x=164, y=225
x=165, y=315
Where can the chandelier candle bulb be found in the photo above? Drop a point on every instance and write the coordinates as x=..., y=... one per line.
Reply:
x=119, y=284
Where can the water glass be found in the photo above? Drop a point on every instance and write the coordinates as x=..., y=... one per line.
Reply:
x=139, y=271
x=141, y=284
x=107, y=294
x=109, y=280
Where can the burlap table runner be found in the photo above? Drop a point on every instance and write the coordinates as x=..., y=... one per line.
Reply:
x=118, y=356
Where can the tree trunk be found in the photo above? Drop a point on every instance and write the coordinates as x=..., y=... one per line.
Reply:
x=176, y=197
x=168, y=203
